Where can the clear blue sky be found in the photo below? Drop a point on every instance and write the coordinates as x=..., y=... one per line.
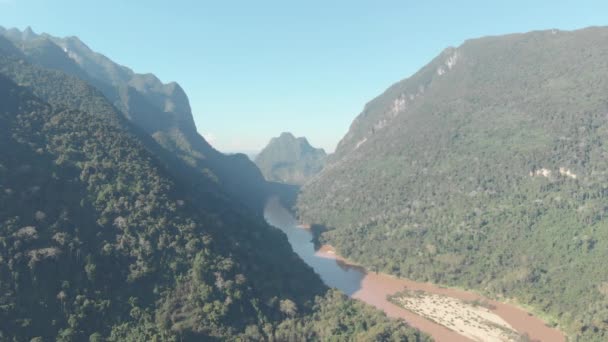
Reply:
x=253, y=69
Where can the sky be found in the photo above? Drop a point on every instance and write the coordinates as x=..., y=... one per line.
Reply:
x=254, y=69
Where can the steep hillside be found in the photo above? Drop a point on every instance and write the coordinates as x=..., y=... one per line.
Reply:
x=161, y=110
x=290, y=160
x=485, y=169
x=99, y=241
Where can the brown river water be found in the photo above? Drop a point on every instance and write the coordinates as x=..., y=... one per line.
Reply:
x=373, y=288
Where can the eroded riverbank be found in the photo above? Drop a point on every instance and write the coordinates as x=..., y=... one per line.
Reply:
x=374, y=288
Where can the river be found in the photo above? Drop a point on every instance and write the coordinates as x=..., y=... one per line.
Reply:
x=373, y=288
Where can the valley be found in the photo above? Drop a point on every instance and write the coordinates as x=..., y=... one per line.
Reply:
x=108, y=233
x=467, y=201
x=375, y=288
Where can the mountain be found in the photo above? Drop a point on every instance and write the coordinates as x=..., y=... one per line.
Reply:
x=101, y=240
x=291, y=160
x=161, y=110
x=486, y=169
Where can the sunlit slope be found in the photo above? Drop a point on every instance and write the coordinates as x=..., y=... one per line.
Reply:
x=485, y=169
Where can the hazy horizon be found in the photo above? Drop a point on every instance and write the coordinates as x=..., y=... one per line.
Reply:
x=248, y=82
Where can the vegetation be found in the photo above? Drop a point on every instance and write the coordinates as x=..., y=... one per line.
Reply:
x=160, y=110
x=338, y=319
x=100, y=240
x=487, y=170
x=289, y=160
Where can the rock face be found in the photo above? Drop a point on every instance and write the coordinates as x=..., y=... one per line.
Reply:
x=161, y=110
x=484, y=169
x=291, y=160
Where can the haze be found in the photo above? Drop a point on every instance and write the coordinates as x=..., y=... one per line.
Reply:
x=255, y=69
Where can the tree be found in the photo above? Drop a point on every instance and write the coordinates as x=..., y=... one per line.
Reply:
x=288, y=307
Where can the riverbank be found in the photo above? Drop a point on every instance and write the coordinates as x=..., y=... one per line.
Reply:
x=377, y=287
x=472, y=319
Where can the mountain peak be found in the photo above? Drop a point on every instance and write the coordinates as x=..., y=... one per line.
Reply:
x=28, y=32
x=167, y=105
x=291, y=160
x=287, y=135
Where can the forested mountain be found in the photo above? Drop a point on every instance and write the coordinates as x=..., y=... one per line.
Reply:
x=161, y=110
x=485, y=169
x=102, y=240
x=291, y=160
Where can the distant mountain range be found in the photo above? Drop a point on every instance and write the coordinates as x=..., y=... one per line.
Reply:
x=486, y=169
x=291, y=160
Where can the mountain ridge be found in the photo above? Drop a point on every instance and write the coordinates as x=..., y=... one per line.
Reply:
x=162, y=110
x=484, y=169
